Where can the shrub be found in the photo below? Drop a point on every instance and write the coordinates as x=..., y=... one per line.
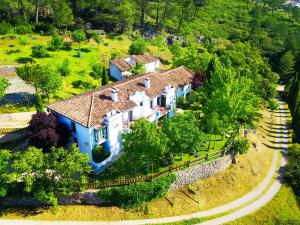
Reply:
x=39, y=103
x=64, y=69
x=138, y=47
x=39, y=51
x=5, y=28
x=135, y=195
x=23, y=41
x=100, y=154
x=23, y=29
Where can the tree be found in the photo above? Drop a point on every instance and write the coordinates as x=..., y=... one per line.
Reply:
x=79, y=36
x=48, y=176
x=198, y=4
x=56, y=42
x=138, y=47
x=5, y=157
x=144, y=143
x=97, y=72
x=292, y=173
x=273, y=105
x=45, y=132
x=64, y=69
x=44, y=79
x=62, y=13
x=3, y=86
x=287, y=64
x=240, y=146
x=183, y=133
x=50, y=82
x=142, y=4
x=39, y=103
x=105, y=78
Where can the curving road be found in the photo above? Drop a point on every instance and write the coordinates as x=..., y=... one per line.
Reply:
x=238, y=205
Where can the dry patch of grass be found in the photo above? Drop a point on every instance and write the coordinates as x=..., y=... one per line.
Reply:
x=214, y=191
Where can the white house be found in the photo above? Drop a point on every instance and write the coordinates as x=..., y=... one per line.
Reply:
x=121, y=68
x=100, y=116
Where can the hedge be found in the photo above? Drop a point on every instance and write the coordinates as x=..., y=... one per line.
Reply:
x=135, y=195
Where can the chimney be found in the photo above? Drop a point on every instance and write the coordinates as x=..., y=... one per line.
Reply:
x=147, y=82
x=114, y=94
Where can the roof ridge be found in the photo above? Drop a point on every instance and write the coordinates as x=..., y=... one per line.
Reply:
x=91, y=109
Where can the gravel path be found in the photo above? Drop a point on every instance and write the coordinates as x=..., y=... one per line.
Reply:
x=251, y=196
x=15, y=120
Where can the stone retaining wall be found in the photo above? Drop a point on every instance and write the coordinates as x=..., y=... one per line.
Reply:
x=201, y=171
x=8, y=69
x=90, y=197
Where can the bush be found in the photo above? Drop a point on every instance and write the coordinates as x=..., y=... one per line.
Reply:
x=138, y=47
x=39, y=103
x=64, y=69
x=138, y=69
x=100, y=154
x=44, y=28
x=39, y=51
x=135, y=195
x=292, y=174
x=5, y=28
x=23, y=41
x=23, y=29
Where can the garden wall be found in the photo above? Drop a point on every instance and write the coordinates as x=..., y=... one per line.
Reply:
x=8, y=69
x=184, y=177
x=201, y=171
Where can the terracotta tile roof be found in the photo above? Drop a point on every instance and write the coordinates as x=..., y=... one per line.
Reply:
x=140, y=59
x=88, y=109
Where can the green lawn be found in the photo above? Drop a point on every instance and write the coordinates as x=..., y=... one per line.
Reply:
x=12, y=50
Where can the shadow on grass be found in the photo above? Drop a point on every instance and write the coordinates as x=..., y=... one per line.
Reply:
x=22, y=211
x=83, y=85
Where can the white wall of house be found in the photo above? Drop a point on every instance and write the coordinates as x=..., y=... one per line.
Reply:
x=152, y=67
x=114, y=124
x=143, y=105
x=115, y=72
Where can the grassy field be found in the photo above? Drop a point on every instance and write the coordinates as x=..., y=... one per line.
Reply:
x=13, y=49
x=214, y=191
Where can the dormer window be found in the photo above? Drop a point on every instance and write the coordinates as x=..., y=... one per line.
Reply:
x=141, y=103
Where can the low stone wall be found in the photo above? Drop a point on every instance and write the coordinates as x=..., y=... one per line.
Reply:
x=8, y=69
x=90, y=197
x=199, y=172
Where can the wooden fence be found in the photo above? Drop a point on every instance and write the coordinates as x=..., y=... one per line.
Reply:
x=127, y=181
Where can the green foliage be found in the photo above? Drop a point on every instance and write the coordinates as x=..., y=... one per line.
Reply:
x=138, y=69
x=23, y=29
x=79, y=36
x=39, y=172
x=44, y=78
x=138, y=47
x=5, y=157
x=39, y=51
x=56, y=42
x=3, y=86
x=5, y=28
x=287, y=64
x=292, y=173
x=64, y=69
x=97, y=72
x=273, y=104
x=241, y=145
x=144, y=144
x=105, y=78
x=23, y=41
x=39, y=103
x=99, y=154
x=183, y=133
x=62, y=13
x=135, y=195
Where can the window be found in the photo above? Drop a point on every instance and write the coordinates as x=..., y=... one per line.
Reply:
x=151, y=104
x=141, y=103
x=100, y=134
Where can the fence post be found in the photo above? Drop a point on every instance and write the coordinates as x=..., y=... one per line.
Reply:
x=206, y=156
